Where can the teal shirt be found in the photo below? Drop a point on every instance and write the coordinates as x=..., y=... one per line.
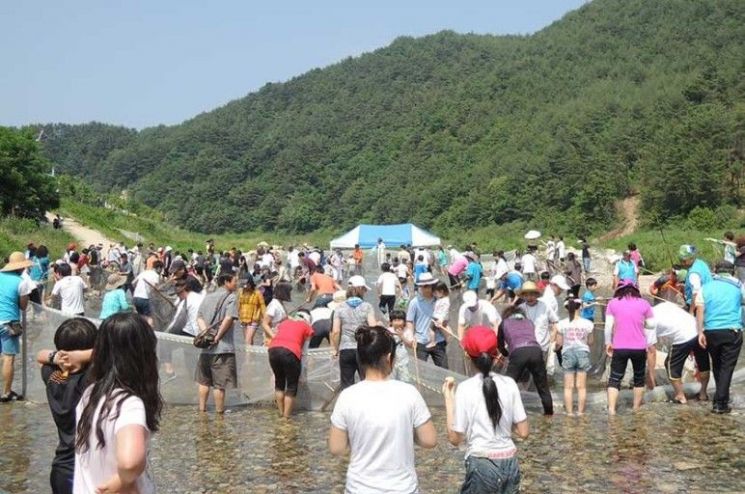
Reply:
x=114, y=302
x=9, y=308
x=588, y=298
x=474, y=272
x=722, y=304
x=700, y=268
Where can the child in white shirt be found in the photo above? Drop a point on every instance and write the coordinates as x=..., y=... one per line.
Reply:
x=441, y=312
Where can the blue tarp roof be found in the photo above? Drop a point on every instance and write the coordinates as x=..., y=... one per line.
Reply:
x=393, y=235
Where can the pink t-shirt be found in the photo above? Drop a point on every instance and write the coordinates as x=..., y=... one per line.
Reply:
x=458, y=266
x=629, y=314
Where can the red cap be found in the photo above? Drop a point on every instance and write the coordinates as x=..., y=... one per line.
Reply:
x=478, y=340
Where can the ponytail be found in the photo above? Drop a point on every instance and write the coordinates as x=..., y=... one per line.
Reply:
x=491, y=395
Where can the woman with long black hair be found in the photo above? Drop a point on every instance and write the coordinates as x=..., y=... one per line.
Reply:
x=119, y=411
x=484, y=412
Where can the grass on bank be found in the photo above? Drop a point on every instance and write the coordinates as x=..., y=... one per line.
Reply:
x=657, y=251
x=111, y=223
x=16, y=233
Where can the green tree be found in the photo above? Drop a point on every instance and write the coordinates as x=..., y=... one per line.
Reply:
x=27, y=187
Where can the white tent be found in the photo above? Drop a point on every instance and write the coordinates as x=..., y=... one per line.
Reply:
x=366, y=236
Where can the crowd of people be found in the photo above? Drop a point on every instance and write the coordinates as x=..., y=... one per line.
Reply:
x=103, y=383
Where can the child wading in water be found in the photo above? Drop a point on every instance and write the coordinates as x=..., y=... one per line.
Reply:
x=404, y=338
x=441, y=312
x=575, y=338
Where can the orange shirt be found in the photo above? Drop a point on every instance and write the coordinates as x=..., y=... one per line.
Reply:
x=357, y=255
x=322, y=283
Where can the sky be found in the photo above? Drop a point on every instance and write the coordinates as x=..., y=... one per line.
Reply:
x=142, y=63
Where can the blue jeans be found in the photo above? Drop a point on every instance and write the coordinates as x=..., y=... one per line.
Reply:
x=586, y=264
x=485, y=476
x=9, y=344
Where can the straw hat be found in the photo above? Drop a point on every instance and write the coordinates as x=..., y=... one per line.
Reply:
x=115, y=281
x=16, y=261
x=340, y=296
x=528, y=287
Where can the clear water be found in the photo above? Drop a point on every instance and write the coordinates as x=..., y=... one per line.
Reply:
x=663, y=448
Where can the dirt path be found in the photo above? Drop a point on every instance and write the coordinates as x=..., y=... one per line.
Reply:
x=627, y=209
x=85, y=236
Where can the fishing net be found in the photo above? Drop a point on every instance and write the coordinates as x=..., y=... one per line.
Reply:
x=319, y=383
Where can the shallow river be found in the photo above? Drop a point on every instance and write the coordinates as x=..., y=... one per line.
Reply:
x=664, y=448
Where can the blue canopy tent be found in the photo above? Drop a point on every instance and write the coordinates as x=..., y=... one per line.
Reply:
x=393, y=235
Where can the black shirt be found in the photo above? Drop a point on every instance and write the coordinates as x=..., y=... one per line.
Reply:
x=63, y=395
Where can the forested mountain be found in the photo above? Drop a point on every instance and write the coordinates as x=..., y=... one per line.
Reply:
x=453, y=131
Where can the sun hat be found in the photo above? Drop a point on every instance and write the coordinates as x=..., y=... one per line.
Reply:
x=687, y=251
x=340, y=296
x=168, y=248
x=625, y=283
x=478, y=340
x=470, y=298
x=114, y=281
x=560, y=281
x=426, y=279
x=528, y=287
x=681, y=274
x=16, y=261
x=358, y=281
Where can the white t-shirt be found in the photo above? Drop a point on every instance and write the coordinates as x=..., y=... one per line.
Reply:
x=267, y=260
x=501, y=269
x=387, y=283
x=96, y=466
x=292, y=259
x=193, y=301
x=142, y=289
x=528, y=263
x=379, y=418
x=542, y=316
x=674, y=323
x=562, y=249
x=441, y=312
x=575, y=333
x=70, y=289
x=472, y=418
x=320, y=314
x=484, y=315
x=315, y=256
x=276, y=312
x=549, y=298
x=402, y=271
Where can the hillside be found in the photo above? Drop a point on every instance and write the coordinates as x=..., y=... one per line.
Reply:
x=464, y=131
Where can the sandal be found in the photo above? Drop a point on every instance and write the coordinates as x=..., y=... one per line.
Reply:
x=12, y=396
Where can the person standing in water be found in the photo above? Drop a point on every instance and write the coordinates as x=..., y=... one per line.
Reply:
x=378, y=421
x=574, y=339
x=626, y=318
x=121, y=409
x=484, y=412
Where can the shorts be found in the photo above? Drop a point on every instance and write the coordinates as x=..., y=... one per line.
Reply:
x=453, y=280
x=679, y=353
x=403, y=280
x=286, y=367
x=9, y=344
x=217, y=370
x=575, y=360
x=142, y=306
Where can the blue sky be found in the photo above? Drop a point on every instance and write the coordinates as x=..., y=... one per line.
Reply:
x=141, y=63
